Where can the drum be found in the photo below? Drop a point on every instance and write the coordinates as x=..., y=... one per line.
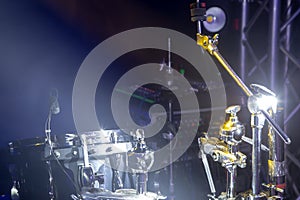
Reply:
x=122, y=194
x=105, y=137
x=29, y=170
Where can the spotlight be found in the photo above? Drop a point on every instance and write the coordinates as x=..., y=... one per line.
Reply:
x=215, y=19
x=264, y=99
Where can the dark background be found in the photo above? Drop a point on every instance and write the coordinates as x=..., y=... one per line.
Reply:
x=43, y=43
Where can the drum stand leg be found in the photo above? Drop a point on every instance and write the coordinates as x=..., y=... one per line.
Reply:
x=117, y=182
x=208, y=174
x=231, y=180
x=141, y=183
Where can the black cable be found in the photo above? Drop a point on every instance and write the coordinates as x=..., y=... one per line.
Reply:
x=48, y=137
x=67, y=175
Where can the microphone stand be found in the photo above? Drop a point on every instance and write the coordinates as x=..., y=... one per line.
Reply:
x=54, y=109
x=48, y=153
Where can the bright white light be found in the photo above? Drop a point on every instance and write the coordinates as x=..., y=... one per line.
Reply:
x=266, y=102
x=259, y=102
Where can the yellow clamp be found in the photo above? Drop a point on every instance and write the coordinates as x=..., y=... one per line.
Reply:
x=207, y=43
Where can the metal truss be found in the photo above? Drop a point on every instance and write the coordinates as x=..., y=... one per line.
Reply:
x=282, y=16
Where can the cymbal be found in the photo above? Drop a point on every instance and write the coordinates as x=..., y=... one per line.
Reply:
x=215, y=19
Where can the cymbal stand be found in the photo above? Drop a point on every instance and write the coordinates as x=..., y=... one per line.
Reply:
x=256, y=105
x=169, y=136
x=225, y=151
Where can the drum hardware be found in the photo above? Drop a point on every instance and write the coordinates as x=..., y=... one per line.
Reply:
x=86, y=174
x=170, y=76
x=72, y=140
x=115, y=161
x=95, y=152
x=202, y=155
x=231, y=133
x=122, y=194
x=105, y=137
x=259, y=104
x=225, y=151
x=114, y=137
x=173, y=80
x=143, y=159
x=94, y=146
x=140, y=160
x=156, y=183
x=29, y=169
x=250, y=141
x=169, y=136
x=274, y=187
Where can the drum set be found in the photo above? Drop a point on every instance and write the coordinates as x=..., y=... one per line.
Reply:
x=102, y=159
x=99, y=159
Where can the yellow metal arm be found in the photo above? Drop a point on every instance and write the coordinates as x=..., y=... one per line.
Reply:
x=209, y=44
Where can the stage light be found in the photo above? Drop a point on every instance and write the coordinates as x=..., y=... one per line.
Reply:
x=259, y=102
x=266, y=102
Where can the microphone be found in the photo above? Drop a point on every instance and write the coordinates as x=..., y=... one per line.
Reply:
x=54, y=105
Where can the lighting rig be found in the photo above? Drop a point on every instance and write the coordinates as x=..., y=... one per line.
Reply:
x=262, y=104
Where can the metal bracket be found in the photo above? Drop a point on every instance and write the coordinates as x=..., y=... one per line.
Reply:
x=276, y=169
x=208, y=43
